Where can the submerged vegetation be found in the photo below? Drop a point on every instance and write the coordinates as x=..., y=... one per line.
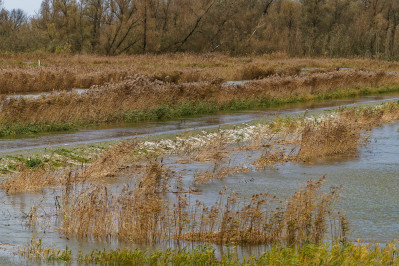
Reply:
x=159, y=204
x=146, y=215
x=151, y=190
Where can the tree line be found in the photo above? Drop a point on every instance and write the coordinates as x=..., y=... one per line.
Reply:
x=334, y=28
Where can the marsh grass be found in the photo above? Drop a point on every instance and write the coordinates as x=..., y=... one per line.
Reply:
x=152, y=210
x=66, y=72
x=93, y=211
x=113, y=160
x=146, y=214
x=138, y=98
x=335, y=254
x=30, y=180
x=335, y=135
x=35, y=251
x=332, y=137
x=53, y=78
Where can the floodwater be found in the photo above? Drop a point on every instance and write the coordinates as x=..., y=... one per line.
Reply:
x=124, y=131
x=370, y=184
x=370, y=180
x=36, y=95
x=369, y=197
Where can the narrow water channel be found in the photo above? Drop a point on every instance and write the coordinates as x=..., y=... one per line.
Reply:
x=370, y=180
x=119, y=131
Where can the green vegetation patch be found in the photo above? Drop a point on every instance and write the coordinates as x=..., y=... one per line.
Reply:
x=337, y=254
x=187, y=109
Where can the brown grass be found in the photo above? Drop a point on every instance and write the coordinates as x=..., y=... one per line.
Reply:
x=113, y=161
x=45, y=79
x=113, y=101
x=329, y=138
x=145, y=214
x=82, y=71
x=367, y=117
x=302, y=219
x=30, y=180
x=92, y=211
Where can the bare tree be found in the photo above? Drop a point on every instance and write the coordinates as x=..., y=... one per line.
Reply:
x=120, y=21
x=17, y=18
x=95, y=11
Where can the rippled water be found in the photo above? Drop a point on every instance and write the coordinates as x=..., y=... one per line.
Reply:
x=116, y=132
x=370, y=185
x=370, y=194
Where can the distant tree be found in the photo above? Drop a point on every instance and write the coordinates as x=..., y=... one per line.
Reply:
x=94, y=11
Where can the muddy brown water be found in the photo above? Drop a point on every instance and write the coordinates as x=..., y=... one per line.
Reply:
x=370, y=181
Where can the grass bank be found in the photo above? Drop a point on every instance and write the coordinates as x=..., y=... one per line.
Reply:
x=168, y=111
x=337, y=254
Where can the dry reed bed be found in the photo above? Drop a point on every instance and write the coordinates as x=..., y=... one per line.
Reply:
x=146, y=215
x=30, y=180
x=45, y=79
x=283, y=140
x=82, y=71
x=137, y=96
x=155, y=210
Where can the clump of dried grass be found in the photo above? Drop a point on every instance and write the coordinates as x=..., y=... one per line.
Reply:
x=218, y=172
x=30, y=180
x=92, y=211
x=272, y=156
x=303, y=219
x=328, y=138
x=255, y=72
x=307, y=212
x=111, y=162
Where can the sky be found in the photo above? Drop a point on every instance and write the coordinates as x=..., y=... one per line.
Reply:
x=31, y=7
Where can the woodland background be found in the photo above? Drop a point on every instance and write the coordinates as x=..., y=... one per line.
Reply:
x=332, y=28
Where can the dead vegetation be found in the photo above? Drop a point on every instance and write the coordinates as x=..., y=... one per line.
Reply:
x=47, y=79
x=329, y=138
x=335, y=135
x=82, y=71
x=145, y=214
x=138, y=98
x=93, y=211
x=112, y=161
x=28, y=180
x=155, y=205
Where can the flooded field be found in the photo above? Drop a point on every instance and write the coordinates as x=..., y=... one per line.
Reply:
x=126, y=131
x=369, y=182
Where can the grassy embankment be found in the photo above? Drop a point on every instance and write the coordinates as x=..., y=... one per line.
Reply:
x=139, y=98
x=337, y=254
x=259, y=133
x=82, y=71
